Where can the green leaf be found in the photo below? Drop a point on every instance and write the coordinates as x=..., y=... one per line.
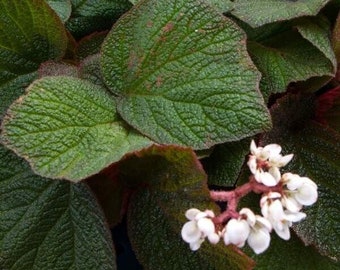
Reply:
x=322, y=225
x=90, y=45
x=11, y=87
x=291, y=255
x=336, y=38
x=53, y=68
x=316, y=151
x=68, y=128
x=260, y=12
x=90, y=70
x=48, y=224
x=62, y=7
x=287, y=58
x=224, y=165
x=182, y=75
x=174, y=181
x=317, y=31
x=89, y=16
x=30, y=33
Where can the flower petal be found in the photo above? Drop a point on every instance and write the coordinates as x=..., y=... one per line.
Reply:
x=253, y=148
x=282, y=230
x=275, y=172
x=190, y=232
x=251, y=219
x=238, y=232
x=272, y=149
x=285, y=160
x=259, y=240
x=306, y=195
x=252, y=164
x=196, y=245
x=206, y=226
x=291, y=204
x=263, y=223
x=294, y=217
x=267, y=179
x=213, y=238
x=191, y=213
x=293, y=181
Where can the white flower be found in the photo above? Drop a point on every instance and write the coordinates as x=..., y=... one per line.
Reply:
x=264, y=163
x=272, y=209
x=300, y=191
x=260, y=228
x=236, y=232
x=199, y=226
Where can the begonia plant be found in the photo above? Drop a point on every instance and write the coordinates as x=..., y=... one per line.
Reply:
x=208, y=128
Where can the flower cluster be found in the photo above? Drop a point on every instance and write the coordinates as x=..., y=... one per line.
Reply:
x=199, y=226
x=283, y=196
x=282, y=208
x=264, y=163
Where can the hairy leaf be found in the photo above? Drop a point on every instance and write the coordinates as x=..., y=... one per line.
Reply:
x=62, y=7
x=30, y=33
x=89, y=16
x=259, y=12
x=174, y=182
x=316, y=150
x=224, y=165
x=182, y=75
x=291, y=255
x=336, y=38
x=90, y=70
x=317, y=31
x=90, y=45
x=288, y=58
x=68, y=128
x=49, y=224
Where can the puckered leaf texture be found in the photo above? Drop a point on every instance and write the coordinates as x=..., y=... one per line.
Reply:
x=30, y=33
x=316, y=151
x=47, y=225
x=173, y=182
x=68, y=128
x=182, y=75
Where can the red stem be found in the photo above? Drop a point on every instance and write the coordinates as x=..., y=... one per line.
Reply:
x=233, y=197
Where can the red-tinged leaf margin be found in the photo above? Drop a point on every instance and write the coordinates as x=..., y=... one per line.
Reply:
x=172, y=181
x=316, y=150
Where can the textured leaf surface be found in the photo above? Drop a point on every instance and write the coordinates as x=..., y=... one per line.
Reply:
x=90, y=45
x=90, y=70
x=259, y=12
x=68, y=128
x=174, y=182
x=11, y=87
x=291, y=255
x=317, y=31
x=224, y=165
x=288, y=58
x=30, y=33
x=316, y=152
x=89, y=16
x=47, y=225
x=183, y=75
x=53, y=68
x=336, y=38
x=62, y=7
